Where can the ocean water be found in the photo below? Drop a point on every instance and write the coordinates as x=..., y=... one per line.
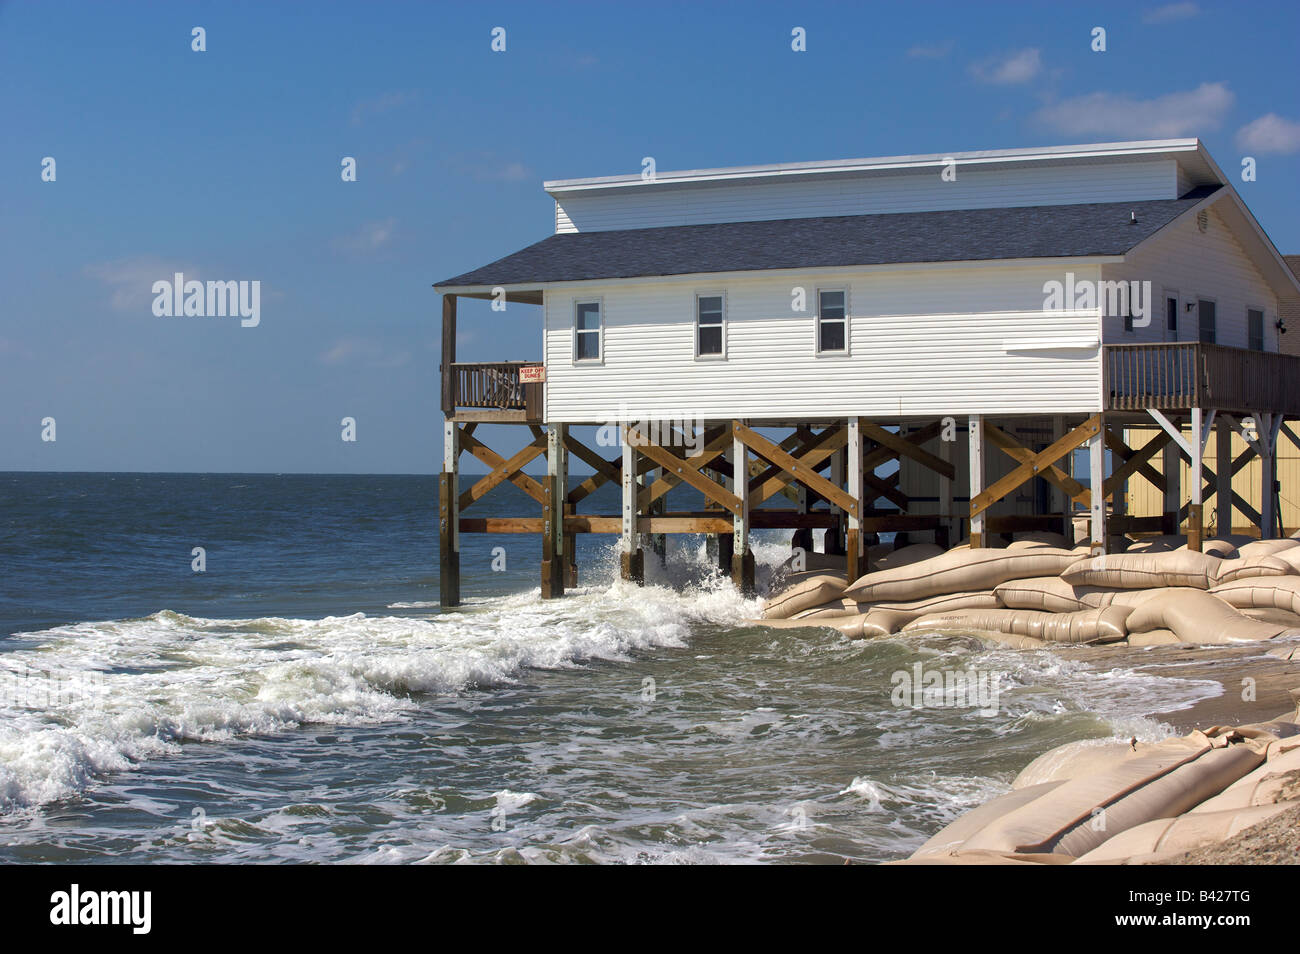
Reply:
x=304, y=699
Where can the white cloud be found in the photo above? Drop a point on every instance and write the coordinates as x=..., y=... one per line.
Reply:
x=1018, y=67
x=1270, y=133
x=371, y=236
x=1171, y=12
x=933, y=51
x=1119, y=114
x=383, y=103
x=131, y=280
x=489, y=167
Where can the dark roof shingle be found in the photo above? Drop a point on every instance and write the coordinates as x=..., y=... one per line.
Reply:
x=1048, y=231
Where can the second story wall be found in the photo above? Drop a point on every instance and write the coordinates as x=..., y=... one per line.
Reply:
x=658, y=204
x=931, y=341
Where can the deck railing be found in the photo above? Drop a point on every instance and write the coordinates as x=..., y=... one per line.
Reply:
x=1182, y=375
x=492, y=384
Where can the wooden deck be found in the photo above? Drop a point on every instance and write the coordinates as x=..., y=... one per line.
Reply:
x=1183, y=375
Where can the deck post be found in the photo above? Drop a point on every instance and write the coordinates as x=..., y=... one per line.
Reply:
x=1267, y=427
x=853, y=538
x=1096, y=489
x=742, y=558
x=975, y=445
x=448, y=354
x=449, y=518
x=833, y=542
x=944, y=535
x=1058, y=498
x=1223, y=474
x=553, y=514
x=726, y=541
x=631, y=557
x=658, y=541
x=1196, y=509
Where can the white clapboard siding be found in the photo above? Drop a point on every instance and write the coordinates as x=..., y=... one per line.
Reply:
x=932, y=341
x=651, y=206
x=1213, y=265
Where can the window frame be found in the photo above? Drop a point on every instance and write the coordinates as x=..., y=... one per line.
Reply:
x=817, y=323
x=1263, y=327
x=722, y=325
x=599, y=302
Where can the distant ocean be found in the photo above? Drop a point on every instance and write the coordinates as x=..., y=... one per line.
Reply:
x=304, y=700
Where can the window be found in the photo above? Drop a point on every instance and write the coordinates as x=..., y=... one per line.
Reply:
x=586, y=339
x=832, y=321
x=1205, y=309
x=1171, y=317
x=708, y=325
x=1254, y=329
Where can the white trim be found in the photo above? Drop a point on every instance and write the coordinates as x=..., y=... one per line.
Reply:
x=817, y=323
x=710, y=293
x=599, y=302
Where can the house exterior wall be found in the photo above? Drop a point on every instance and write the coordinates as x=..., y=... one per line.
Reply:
x=1193, y=264
x=923, y=341
x=651, y=205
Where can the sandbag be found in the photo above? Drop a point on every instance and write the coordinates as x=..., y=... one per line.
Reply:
x=1049, y=594
x=1271, y=614
x=1044, y=537
x=1199, y=618
x=1086, y=757
x=884, y=622
x=1270, y=592
x=958, y=572
x=1083, y=626
x=1160, y=782
x=1277, y=780
x=984, y=858
x=955, y=834
x=982, y=599
x=1222, y=547
x=830, y=610
x=1165, y=837
x=1135, y=598
x=1290, y=557
x=1154, y=637
x=808, y=592
x=903, y=556
x=1249, y=568
x=1144, y=571
x=1258, y=548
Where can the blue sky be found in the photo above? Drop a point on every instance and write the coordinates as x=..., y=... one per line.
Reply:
x=225, y=165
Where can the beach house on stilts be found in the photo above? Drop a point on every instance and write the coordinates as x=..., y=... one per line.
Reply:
x=912, y=344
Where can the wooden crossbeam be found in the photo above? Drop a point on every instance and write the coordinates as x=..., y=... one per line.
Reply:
x=826, y=444
x=716, y=442
x=885, y=488
x=690, y=475
x=800, y=472
x=606, y=471
x=502, y=469
x=801, y=441
x=1291, y=436
x=905, y=447
x=1134, y=461
x=1053, y=474
x=1210, y=487
x=1034, y=464
x=881, y=455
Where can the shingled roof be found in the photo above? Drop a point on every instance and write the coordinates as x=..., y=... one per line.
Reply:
x=1045, y=231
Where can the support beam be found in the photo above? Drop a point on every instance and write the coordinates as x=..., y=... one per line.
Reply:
x=1223, y=482
x=448, y=354
x=742, y=558
x=1173, y=468
x=449, y=518
x=1097, y=480
x=1040, y=464
x=945, y=492
x=1267, y=426
x=853, y=548
x=553, y=514
x=1196, y=509
x=975, y=445
x=630, y=555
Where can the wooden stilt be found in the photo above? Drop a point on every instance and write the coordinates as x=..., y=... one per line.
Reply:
x=553, y=514
x=1223, y=474
x=1196, y=509
x=742, y=558
x=1173, y=472
x=449, y=518
x=975, y=442
x=1267, y=427
x=1097, y=482
x=853, y=537
x=630, y=554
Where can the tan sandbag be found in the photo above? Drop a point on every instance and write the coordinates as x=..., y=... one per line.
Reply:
x=1071, y=760
x=1199, y=618
x=1047, y=537
x=958, y=572
x=1258, y=548
x=1277, y=780
x=879, y=622
x=954, y=835
x=830, y=610
x=1164, y=837
x=1249, y=568
x=1083, y=626
x=1290, y=557
x=1154, y=637
x=1135, y=598
x=778, y=623
x=1049, y=594
x=1271, y=614
x=984, y=858
x=811, y=591
x=1144, y=571
x=1270, y=592
x=947, y=602
x=904, y=556
x=1157, y=783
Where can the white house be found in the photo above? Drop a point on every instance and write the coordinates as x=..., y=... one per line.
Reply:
x=1040, y=298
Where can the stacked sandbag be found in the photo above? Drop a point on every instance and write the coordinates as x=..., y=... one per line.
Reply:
x=1164, y=838
x=1154, y=637
x=1073, y=759
x=1144, y=571
x=961, y=571
x=1083, y=626
x=1049, y=594
x=1074, y=816
x=1243, y=568
x=830, y=610
x=903, y=556
x=1200, y=618
x=809, y=589
x=1222, y=547
x=945, y=602
x=1258, y=548
x=1040, y=538
x=1277, y=780
x=1261, y=593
